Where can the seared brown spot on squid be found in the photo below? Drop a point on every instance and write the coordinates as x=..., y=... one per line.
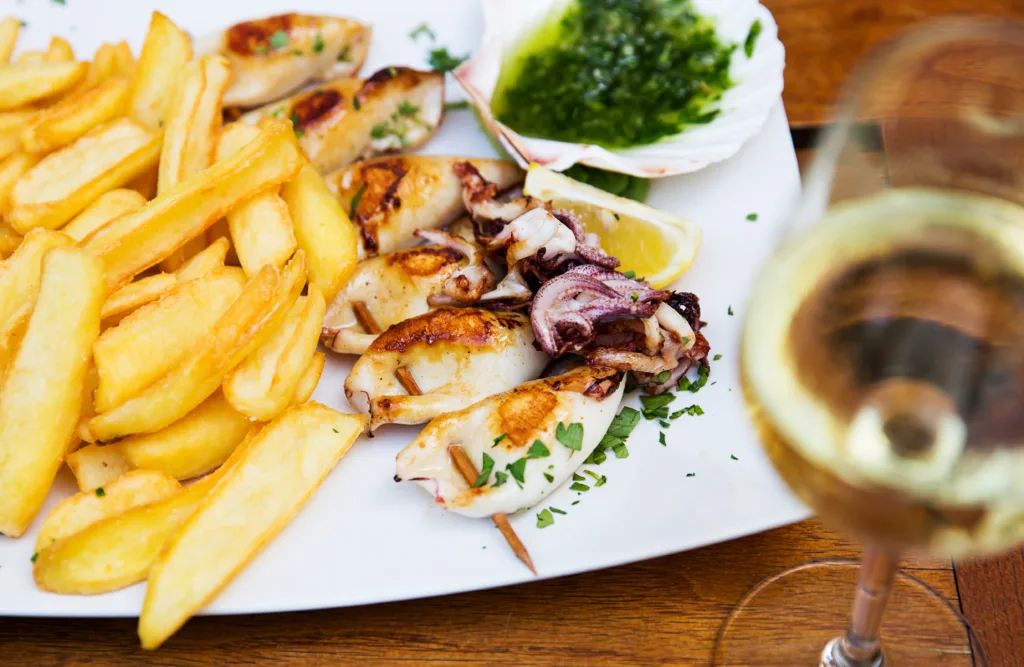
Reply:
x=523, y=410
x=380, y=183
x=405, y=77
x=468, y=326
x=314, y=107
x=252, y=37
x=425, y=260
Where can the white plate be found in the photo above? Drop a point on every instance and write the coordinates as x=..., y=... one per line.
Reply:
x=364, y=539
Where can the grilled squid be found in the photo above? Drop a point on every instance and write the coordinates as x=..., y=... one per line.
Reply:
x=505, y=429
x=392, y=288
x=456, y=356
x=346, y=119
x=390, y=197
x=274, y=56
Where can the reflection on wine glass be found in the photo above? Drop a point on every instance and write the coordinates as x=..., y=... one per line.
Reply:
x=883, y=349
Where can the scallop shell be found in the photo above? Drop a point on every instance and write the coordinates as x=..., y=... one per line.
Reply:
x=744, y=107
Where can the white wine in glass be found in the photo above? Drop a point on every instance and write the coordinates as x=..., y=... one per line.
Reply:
x=883, y=346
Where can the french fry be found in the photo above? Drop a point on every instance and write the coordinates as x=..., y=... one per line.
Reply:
x=194, y=445
x=31, y=58
x=108, y=206
x=103, y=66
x=264, y=384
x=138, y=241
x=75, y=115
x=74, y=514
x=66, y=181
x=145, y=184
x=42, y=390
x=25, y=83
x=20, y=277
x=11, y=170
x=309, y=379
x=150, y=342
x=322, y=230
x=124, y=59
x=11, y=124
x=193, y=130
x=214, y=544
x=164, y=53
x=136, y=294
x=261, y=228
x=59, y=51
x=119, y=551
x=9, y=240
x=92, y=379
x=209, y=259
x=97, y=465
x=193, y=121
x=9, y=345
x=246, y=324
x=9, y=29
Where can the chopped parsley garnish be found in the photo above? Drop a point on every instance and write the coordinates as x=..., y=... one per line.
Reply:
x=599, y=480
x=318, y=43
x=695, y=386
x=354, y=206
x=36, y=554
x=58, y=2
x=278, y=39
x=751, y=40
x=442, y=61
x=571, y=436
x=23, y=22
x=575, y=502
x=716, y=357
x=423, y=29
x=343, y=55
x=662, y=377
x=634, y=296
x=452, y=106
x=548, y=476
x=692, y=410
x=661, y=438
x=544, y=519
x=652, y=403
x=615, y=439
x=499, y=478
x=557, y=511
x=278, y=112
x=499, y=439
x=576, y=477
x=631, y=273
x=100, y=492
x=295, y=125
x=752, y=217
x=730, y=311
x=407, y=108
x=335, y=430
x=379, y=131
x=356, y=104
x=579, y=486
x=518, y=470
x=538, y=450
x=485, y=472
x=691, y=474
x=664, y=424
x=297, y=52
x=733, y=457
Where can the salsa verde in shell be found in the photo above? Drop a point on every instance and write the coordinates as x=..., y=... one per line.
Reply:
x=617, y=73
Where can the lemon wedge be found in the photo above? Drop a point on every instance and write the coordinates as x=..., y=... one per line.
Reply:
x=654, y=244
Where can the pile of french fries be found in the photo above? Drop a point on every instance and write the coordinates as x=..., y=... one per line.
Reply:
x=162, y=289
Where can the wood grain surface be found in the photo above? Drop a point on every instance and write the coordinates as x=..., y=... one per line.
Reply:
x=665, y=611
x=824, y=39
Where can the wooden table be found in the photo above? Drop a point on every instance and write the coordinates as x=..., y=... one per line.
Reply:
x=663, y=611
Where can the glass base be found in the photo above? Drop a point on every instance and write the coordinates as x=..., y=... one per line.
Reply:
x=789, y=619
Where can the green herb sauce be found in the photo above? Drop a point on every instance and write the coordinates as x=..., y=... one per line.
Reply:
x=617, y=73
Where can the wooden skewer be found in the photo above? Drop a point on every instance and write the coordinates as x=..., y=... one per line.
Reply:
x=407, y=381
x=465, y=466
x=470, y=474
x=365, y=317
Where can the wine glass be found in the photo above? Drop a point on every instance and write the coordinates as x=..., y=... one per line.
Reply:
x=883, y=351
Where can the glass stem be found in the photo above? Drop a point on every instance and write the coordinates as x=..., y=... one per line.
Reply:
x=860, y=645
